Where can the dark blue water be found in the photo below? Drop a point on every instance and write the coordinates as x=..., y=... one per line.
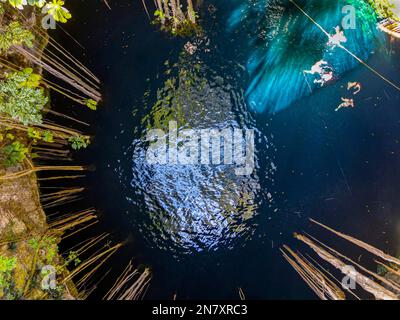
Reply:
x=204, y=231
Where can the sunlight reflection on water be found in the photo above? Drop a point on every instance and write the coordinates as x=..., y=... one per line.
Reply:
x=198, y=207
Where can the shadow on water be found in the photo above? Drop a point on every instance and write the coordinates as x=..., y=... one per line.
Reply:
x=204, y=230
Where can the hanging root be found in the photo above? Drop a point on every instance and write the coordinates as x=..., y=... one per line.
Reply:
x=107, y=4
x=60, y=64
x=60, y=72
x=23, y=173
x=361, y=244
x=380, y=286
x=62, y=177
x=60, y=197
x=59, y=132
x=395, y=287
x=319, y=282
x=43, y=152
x=95, y=261
x=173, y=13
x=73, y=222
x=241, y=294
x=369, y=285
x=131, y=285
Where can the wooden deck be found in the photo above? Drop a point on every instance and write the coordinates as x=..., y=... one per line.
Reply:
x=391, y=27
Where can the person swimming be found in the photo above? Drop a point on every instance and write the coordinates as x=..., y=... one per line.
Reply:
x=325, y=77
x=347, y=103
x=322, y=69
x=354, y=85
x=337, y=38
x=317, y=68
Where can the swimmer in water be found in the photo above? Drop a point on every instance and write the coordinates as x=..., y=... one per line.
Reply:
x=322, y=69
x=325, y=77
x=345, y=104
x=318, y=67
x=337, y=38
x=354, y=85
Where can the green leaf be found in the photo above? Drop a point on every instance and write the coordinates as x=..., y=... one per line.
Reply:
x=56, y=9
x=79, y=142
x=14, y=153
x=48, y=136
x=21, y=99
x=15, y=34
x=19, y=4
x=91, y=104
x=37, y=3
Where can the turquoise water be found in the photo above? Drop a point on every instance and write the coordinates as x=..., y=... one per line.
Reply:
x=204, y=231
x=283, y=42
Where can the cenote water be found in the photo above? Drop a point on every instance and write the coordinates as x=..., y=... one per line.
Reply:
x=205, y=231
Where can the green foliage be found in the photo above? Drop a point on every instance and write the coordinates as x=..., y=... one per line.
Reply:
x=7, y=265
x=56, y=9
x=34, y=243
x=21, y=98
x=383, y=8
x=51, y=248
x=73, y=257
x=16, y=3
x=186, y=28
x=79, y=142
x=159, y=14
x=29, y=79
x=10, y=136
x=36, y=135
x=53, y=7
x=14, y=153
x=48, y=244
x=91, y=104
x=37, y=3
x=58, y=292
x=178, y=25
x=48, y=137
x=15, y=34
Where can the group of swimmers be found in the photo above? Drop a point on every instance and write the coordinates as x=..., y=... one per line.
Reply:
x=325, y=72
x=348, y=102
x=322, y=69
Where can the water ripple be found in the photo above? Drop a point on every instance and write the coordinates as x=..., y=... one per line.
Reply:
x=195, y=208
